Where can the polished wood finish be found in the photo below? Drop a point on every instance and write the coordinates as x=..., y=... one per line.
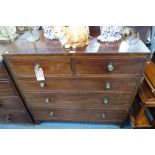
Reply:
x=10, y=103
x=100, y=66
x=143, y=121
x=76, y=100
x=146, y=95
x=147, y=98
x=14, y=116
x=79, y=66
x=43, y=46
x=6, y=89
x=2, y=73
x=69, y=114
x=95, y=83
x=84, y=84
x=50, y=66
x=150, y=75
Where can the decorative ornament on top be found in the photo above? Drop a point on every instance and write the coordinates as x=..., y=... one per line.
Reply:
x=33, y=34
x=110, y=33
x=69, y=36
x=8, y=34
x=52, y=32
x=74, y=36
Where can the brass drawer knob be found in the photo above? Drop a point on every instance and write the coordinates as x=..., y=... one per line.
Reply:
x=110, y=67
x=51, y=114
x=103, y=115
x=8, y=118
x=108, y=85
x=42, y=84
x=47, y=100
x=106, y=100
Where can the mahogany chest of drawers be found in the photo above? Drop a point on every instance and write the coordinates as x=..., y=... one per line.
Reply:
x=96, y=83
x=12, y=109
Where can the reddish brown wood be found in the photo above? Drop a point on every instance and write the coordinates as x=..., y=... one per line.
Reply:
x=74, y=86
x=11, y=108
x=82, y=100
x=49, y=66
x=2, y=74
x=146, y=95
x=147, y=100
x=69, y=114
x=150, y=74
x=44, y=46
x=6, y=89
x=120, y=66
x=13, y=116
x=52, y=66
x=10, y=103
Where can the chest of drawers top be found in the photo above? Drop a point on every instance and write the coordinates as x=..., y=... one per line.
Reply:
x=44, y=46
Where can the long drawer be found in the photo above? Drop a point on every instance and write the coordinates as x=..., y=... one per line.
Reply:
x=13, y=116
x=6, y=89
x=106, y=66
x=52, y=66
x=92, y=115
x=83, y=100
x=25, y=67
x=125, y=84
x=10, y=103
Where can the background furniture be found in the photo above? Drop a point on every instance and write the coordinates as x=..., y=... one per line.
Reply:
x=145, y=116
x=12, y=109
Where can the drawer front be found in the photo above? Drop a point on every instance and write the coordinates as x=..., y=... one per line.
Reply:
x=2, y=73
x=106, y=66
x=6, y=89
x=14, y=116
x=79, y=84
x=9, y=103
x=92, y=115
x=25, y=67
x=85, y=100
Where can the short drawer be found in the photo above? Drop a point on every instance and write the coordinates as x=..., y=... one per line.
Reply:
x=125, y=84
x=25, y=67
x=10, y=103
x=14, y=116
x=83, y=100
x=6, y=89
x=2, y=73
x=91, y=115
x=108, y=66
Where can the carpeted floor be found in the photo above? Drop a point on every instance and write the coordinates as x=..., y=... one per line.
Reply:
x=60, y=125
x=66, y=125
